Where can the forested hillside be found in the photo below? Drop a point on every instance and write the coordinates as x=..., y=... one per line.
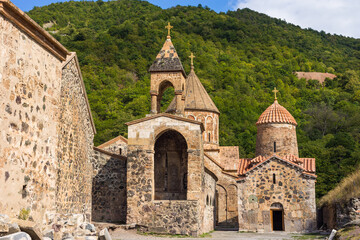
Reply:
x=240, y=57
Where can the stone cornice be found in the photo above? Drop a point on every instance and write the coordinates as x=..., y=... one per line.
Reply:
x=32, y=29
x=168, y=116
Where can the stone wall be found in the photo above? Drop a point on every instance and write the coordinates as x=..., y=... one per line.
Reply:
x=226, y=212
x=175, y=217
x=209, y=214
x=295, y=192
x=109, y=187
x=142, y=135
x=211, y=124
x=283, y=134
x=29, y=92
x=336, y=215
x=75, y=142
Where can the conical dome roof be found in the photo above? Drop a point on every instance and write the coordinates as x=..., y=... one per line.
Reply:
x=196, y=97
x=167, y=59
x=276, y=114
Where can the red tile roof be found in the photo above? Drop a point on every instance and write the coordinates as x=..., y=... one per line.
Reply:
x=247, y=164
x=276, y=113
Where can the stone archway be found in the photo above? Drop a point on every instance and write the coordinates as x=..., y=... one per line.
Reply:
x=170, y=166
x=221, y=205
x=162, y=88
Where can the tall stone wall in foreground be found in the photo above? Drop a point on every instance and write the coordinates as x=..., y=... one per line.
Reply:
x=29, y=112
x=75, y=142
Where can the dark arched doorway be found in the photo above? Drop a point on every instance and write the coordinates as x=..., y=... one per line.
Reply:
x=277, y=217
x=171, y=160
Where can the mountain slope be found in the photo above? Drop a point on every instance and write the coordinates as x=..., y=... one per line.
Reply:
x=240, y=57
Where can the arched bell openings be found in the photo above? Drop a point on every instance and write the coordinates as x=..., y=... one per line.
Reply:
x=170, y=166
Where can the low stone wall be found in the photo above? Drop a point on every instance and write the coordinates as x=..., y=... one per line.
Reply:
x=336, y=215
x=109, y=187
x=175, y=217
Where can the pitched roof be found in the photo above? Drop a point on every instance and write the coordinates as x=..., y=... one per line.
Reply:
x=196, y=97
x=248, y=164
x=112, y=141
x=276, y=113
x=167, y=59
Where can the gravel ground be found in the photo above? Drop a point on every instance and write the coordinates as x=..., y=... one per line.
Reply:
x=121, y=234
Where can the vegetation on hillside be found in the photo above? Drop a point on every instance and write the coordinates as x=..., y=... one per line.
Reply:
x=240, y=57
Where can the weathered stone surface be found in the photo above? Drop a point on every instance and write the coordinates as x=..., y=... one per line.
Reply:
x=46, y=127
x=30, y=228
x=17, y=236
x=104, y=235
x=109, y=187
x=90, y=227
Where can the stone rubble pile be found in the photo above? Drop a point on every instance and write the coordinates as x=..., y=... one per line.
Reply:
x=58, y=227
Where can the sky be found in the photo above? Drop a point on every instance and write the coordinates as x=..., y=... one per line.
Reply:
x=332, y=16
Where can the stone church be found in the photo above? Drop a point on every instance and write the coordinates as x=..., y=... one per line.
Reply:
x=180, y=180
x=170, y=175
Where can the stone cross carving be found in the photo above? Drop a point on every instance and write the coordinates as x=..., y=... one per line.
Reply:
x=192, y=60
x=275, y=91
x=168, y=28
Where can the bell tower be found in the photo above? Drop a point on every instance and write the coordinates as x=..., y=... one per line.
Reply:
x=167, y=71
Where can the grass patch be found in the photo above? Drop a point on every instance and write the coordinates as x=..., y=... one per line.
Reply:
x=346, y=189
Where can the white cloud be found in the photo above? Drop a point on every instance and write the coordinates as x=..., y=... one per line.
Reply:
x=332, y=16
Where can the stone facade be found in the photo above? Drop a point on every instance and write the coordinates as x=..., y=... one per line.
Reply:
x=211, y=124
x=108, y=187
x=142, y=137
x=46, y=128
x=28, y=121
x=116, y=146
x=277, y=182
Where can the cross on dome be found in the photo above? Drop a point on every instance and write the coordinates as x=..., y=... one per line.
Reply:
x=169, y=27
x=275, y=91
x=192, y=56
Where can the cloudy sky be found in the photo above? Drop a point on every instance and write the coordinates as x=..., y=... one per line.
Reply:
x=333, y=16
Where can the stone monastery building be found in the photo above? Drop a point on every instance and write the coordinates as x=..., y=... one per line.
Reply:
x=171, y=174
x=180, y=180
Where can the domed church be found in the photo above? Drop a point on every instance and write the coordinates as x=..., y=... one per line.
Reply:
x=178, y=179
x=277, y=188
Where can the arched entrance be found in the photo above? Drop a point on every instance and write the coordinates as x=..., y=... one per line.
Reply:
x=221, y=206
x=171, y=160
x=277, y=217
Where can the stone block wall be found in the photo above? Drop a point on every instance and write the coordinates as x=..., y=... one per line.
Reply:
x=336, y=215
x=295, y=192
x=175, y=217
x=142, y=135
x=226, y=207
x=30, y=83
x=75, y=142
x=209, y=211
x=108, y=187
x=211, y=124
x=283, y=134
